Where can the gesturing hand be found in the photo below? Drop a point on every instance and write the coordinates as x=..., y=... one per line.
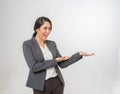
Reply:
x=82, y=53
x=63, y=58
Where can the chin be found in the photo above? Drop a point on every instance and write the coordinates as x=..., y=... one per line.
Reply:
x=45, y=39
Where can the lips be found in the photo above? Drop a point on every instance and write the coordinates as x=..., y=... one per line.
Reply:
x=46, y=35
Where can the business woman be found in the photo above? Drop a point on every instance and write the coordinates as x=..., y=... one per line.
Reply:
x=43, y=59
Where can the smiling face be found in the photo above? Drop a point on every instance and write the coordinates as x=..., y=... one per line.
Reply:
x=44, y=31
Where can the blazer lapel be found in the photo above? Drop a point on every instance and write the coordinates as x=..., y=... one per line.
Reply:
x=38, y=52
x=51, y=48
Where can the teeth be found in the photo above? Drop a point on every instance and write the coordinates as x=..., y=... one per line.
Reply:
x=45, y=34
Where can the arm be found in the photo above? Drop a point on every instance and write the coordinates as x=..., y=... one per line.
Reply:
x=74, y=58
x=64, y=61
x=31, y=61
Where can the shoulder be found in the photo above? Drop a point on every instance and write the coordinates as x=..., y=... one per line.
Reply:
x=27, y=42
x=50, y=42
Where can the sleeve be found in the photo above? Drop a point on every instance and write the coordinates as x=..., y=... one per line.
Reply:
x=74, y=58
x=31, y=61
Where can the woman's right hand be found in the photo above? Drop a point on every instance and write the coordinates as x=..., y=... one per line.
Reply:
x=63, y=58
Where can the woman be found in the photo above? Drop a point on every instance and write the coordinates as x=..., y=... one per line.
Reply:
x=43, y=59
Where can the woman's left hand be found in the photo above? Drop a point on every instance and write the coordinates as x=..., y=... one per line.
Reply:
x=82, y=53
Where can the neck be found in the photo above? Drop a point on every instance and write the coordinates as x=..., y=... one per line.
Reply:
x=40, y=41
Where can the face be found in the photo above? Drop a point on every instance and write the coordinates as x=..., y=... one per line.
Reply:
x=44, y=31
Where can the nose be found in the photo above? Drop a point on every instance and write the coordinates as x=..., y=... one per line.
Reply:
x=48, y=31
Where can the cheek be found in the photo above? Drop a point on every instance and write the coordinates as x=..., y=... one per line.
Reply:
x=40, y=33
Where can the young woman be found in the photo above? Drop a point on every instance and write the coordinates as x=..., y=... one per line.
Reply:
x=43, y=59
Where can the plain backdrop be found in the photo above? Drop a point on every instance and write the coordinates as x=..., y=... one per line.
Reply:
x=88, y=25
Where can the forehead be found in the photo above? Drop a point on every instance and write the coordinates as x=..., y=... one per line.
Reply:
x=46, y=24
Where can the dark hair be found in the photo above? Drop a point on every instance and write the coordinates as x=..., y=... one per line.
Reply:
x=39, y=22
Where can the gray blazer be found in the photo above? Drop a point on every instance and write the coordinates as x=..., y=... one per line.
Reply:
x=37, y=65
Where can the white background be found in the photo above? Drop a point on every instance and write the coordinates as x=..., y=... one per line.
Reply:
x=88, y=25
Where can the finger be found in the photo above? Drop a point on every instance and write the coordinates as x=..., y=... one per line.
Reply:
x=91, y=54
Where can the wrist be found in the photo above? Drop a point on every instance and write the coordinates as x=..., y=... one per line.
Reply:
x=58, y=59
x=80, y=53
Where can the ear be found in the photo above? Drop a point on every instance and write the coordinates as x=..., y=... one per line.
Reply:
x=37, y=30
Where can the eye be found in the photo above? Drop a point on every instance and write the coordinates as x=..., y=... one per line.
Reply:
x=45, y=28
x=50, y=28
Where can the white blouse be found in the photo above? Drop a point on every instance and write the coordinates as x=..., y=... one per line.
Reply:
x=50, y=72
